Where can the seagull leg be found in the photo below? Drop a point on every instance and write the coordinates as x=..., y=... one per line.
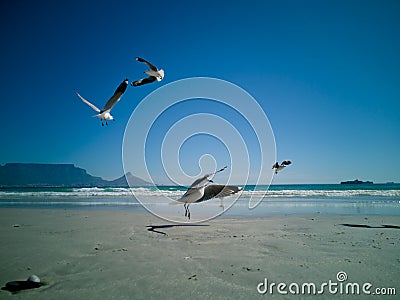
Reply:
x=222, y=204
x=184, y=205
x=106, y=123
x=188, y=212
x=102, y=124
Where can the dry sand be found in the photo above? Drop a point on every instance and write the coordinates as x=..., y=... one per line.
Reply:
x=97, y=254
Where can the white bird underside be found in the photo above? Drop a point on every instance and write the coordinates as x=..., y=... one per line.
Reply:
x=191, y=196
x=159, y=75
x=219, y=191
x=280, y=168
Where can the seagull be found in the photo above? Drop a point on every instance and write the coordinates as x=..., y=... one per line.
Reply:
x=210, y=191
x=279, y=167
x=154, y=74
x=200, y=191
x=196, y=191
x=104, y=114
x=219, y=191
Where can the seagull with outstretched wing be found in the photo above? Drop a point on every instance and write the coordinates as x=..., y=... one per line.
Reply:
x=218, y=191
x=200, y=191
x=154, y=74
x=279, y=167
x=104, y=114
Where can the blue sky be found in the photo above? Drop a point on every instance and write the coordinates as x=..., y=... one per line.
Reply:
x=326, y=73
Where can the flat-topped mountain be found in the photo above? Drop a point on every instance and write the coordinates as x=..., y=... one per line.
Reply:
x=57, y=175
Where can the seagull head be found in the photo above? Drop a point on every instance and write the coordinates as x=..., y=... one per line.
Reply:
x=202, y=182
x=160, y=75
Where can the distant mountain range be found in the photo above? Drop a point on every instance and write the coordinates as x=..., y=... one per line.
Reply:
x=59, y=175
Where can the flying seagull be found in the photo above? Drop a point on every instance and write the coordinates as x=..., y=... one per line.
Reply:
x=200, y=191
x=195, y=191
x=210, y=191
x=219, y=191
x=104, y=114
x=279, y=167
x=154, y=74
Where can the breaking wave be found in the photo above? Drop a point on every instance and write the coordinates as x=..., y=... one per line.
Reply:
x=173, y=192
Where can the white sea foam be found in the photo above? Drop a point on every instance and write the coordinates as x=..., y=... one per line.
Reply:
x=320, y=193
x=275, y=200
x=151, y=192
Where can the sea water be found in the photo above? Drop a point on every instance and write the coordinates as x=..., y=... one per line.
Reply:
x=382, y=199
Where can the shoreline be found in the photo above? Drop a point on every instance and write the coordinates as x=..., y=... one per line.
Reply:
x=112, y=253
x=238, y=209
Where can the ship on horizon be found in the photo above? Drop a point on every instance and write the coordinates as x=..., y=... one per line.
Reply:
x=356, y=181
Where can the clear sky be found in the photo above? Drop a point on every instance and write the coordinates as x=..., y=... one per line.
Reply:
x=326, y=74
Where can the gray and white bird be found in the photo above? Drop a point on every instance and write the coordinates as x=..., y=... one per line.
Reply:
x=154, y=74
x=200, y=191
x=219, y=191
x=105, y=113
x=279, y=167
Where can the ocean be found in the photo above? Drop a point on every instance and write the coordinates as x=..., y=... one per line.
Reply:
x=379, y=199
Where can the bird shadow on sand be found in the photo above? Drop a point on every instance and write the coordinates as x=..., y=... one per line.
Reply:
x=17, y=286
x=368, y=226
x=154, y=228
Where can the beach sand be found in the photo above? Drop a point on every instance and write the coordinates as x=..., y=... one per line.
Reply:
x=111, y=254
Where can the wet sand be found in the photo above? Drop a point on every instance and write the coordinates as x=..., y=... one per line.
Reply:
x=93, y=254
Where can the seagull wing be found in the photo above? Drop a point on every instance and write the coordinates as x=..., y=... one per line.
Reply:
x=154, y=68
x=117, y=96
x=144, y=81
x=275, y=166
x=183, y=199
x=88, y=103
x=189, y=192
x=286, y=162
x=218, y=191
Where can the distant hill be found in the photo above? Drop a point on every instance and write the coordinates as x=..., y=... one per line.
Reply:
x=133, y=181
x=57, y=175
